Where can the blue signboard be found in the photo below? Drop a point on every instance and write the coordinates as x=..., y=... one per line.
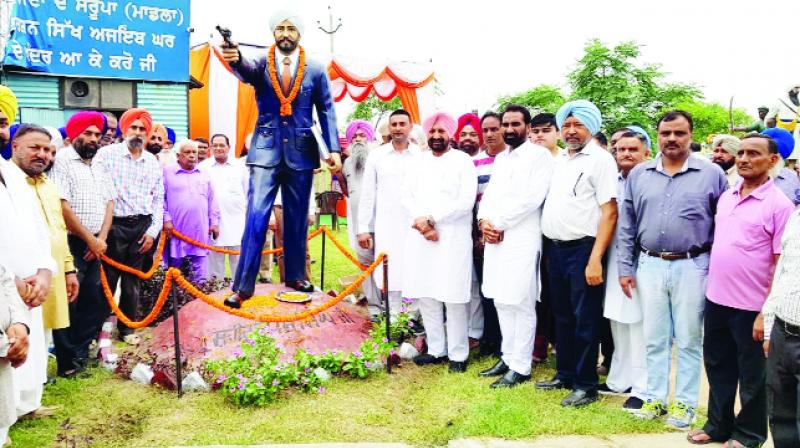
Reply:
x=142, y=39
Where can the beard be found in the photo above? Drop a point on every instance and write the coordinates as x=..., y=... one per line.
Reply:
x=468, y=147
x=85, y=150
x=3, y=141
x=135, y=142
x=513, y=139
x=438, y=145
x=286, y=45
x=154, y=148
x=359, y=153
x=726, y=165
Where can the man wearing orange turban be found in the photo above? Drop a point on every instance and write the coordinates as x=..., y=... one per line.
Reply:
x=138, y=209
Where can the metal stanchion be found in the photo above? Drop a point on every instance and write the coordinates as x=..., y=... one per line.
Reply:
x=177, y=338
x=322, y=265
x=385, y=294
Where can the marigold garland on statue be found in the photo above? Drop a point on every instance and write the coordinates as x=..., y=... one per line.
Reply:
x=286, y=102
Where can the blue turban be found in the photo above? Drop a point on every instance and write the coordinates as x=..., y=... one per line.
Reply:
x=783, y=138
x=63, y=131
x=6, y=150
x=583, y=110
x=170, y=135
x=643, y=133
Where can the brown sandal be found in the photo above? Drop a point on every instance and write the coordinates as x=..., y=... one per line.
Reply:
x=690, y=436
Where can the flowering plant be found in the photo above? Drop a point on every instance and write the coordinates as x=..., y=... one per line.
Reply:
x=256, y=375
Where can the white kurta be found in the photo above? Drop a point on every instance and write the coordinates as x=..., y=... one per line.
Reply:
x=25, y=232
x=229, y=181
x=443, y=187
x=380, y=210
x=618, y=307
x=513, y=203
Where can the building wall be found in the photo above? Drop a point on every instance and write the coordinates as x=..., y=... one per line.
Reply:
x=39, y=100
x=168, y=103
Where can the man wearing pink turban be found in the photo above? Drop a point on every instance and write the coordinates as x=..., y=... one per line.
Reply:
x=468, y=134
x=359, y=131
x=439, y=194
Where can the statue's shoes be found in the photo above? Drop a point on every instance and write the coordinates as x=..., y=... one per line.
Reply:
x=234, y=301
x=300, y=285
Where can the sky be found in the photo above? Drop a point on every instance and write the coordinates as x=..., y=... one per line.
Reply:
x=483, y=50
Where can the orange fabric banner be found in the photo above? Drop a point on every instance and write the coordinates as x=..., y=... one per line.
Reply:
x=199, y=67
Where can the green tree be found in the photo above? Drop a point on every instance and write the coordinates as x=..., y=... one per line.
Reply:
x=625, y=91
x=372, y=109
x=712, y=118
x=543, y=98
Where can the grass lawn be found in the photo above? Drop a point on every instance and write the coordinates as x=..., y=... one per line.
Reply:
x=422, y=406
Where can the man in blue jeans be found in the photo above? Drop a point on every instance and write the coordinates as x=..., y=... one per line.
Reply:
x=667, y=223
x=284, y=151
x=578, y=222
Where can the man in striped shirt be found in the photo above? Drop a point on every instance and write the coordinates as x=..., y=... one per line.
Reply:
x=138, y=209
x=492, y=134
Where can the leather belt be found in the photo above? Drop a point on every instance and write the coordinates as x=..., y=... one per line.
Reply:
x=788, y=329
x=672, y=256
x=131, y=218
x=571, y=243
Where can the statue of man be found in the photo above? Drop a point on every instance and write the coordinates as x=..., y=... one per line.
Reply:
x=284, y=151
x=786, y=113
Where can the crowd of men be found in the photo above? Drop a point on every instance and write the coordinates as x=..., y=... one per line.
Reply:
x=533, y=244
x=509, y=233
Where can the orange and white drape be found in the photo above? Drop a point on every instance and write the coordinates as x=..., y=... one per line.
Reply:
x=357, y=78
x=224, y=105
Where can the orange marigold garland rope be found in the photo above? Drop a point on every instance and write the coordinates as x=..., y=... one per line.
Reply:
x=162, y=298
x=142, y=275
x=194, y=242
x=286, y=102
x=343, y=249
x=175, y=275
x=188, y=287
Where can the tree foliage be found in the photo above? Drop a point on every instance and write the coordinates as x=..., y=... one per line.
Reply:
x=712, y=118
x=627, y=91
x=372, y=109
x=543, y=98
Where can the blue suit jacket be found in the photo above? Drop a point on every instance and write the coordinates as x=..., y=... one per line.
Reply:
x=289, y=138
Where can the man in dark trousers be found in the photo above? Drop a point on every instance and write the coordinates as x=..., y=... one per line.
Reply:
x=284, y=151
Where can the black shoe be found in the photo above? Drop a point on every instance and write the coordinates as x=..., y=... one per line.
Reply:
x=633, y=404
x=458, y=366
x=578, y=398
x=488, y=349
x=426, y=359
x=235, y=301
x=300, y=285
x=603, y=388
x=499, y=368
x=510, y=379
x=553, y=384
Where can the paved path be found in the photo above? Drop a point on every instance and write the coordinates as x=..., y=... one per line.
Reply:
x=669, y=440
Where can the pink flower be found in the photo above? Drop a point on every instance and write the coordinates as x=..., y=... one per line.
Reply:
x=275, y=382
x=321, y=390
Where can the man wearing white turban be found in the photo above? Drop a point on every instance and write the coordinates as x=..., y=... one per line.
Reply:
x=284, y=149
x=578, y=222
x=438, y=195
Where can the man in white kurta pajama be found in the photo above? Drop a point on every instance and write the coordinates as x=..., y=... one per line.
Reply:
x=438, y=196
x=25, y=251
x=628, y=370
x=509, y=217
x=380, y=212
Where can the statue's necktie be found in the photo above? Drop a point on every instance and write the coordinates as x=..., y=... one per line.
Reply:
x=286, y=76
